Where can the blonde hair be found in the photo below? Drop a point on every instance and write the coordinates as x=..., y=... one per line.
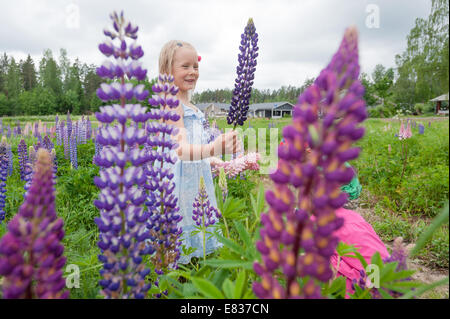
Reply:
x=167, y=54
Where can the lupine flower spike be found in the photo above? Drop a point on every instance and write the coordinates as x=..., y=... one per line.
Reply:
x=31, y=253
x=122, y=221
x=296, y=236
x=204, y=213
x=162, y=203
x=245, y=76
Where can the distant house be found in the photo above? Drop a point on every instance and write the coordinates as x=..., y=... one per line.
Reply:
x=272, y=110
x=441, y=103
x=268, y=110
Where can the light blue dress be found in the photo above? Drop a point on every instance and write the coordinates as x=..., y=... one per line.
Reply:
x=186, y=178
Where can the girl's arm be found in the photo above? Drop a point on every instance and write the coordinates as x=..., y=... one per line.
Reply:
x=224, y=144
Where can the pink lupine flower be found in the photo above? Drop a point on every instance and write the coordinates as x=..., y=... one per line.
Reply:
x=238, y=165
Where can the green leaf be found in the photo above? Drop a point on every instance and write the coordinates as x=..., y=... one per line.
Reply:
x=220, y=276
x=240, y=284
x=387, y=271
x=228, y=288
x=207, y=288
x=223, y=263
x=230, y=244
x=440, y=220
x=337, y=287
x=385, y=294
x=376, y=260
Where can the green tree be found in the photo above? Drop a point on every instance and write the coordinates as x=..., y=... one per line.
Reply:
x=28, y=73
x=423, y=68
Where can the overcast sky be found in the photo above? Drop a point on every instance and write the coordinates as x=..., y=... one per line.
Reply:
x=296, y=37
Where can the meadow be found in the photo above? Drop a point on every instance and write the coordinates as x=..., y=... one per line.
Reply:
x=394, y=205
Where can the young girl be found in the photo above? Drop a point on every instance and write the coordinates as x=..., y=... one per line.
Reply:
x=195, y=154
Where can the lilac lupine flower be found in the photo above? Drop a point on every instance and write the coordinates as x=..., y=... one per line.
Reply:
x=10, y=159
x=305, y=221
x=82, y=131
x=122, y=221
x=421, y=129
x=19, y=129
x=245, y=76
x=8, y=133
x=31, y=253
x=29, y=169
x=73, y=149
x=69, y=124
x=3, y=176
x=47, y=143
x=66, y=137
x=161, y=202
x=88, y=129
x=22, y=152
x=204, y=213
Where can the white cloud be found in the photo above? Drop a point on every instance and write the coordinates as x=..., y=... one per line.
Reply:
x=297, y=38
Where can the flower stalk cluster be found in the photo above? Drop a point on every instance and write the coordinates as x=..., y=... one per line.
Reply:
x=204, y=213
x=297, y=233
x=3, y=176
x=31, y=253
x=162, y=203
x=122, y=221
x=22, y=151
x=245, y=76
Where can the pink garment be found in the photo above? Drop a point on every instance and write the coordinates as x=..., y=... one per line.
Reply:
x=356, y=231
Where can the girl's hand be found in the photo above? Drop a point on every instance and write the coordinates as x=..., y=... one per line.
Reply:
x=227, y=144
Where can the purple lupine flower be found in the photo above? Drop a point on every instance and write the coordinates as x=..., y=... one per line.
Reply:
x=31, y=253
x=204, y=213
x=421, y=129
x=88, y=129
x=122, y=221
x=162, y=203
x=3, y=176
x=73, y=149
x=22, y=152
x=82, y=131
x=305, y=222
x=8, y=133
x=47, y=143
x=66, y=137
x=69, y=124
x=29, y=169
x=429, y=123
x=57, y=131
x=245, y=76
x=19, y=129
x=10, y=159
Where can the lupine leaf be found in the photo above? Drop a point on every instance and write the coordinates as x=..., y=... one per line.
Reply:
x=240, y=284
x=228, y=288
x=207, y=288
x=229, y=263
x=230, y=244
